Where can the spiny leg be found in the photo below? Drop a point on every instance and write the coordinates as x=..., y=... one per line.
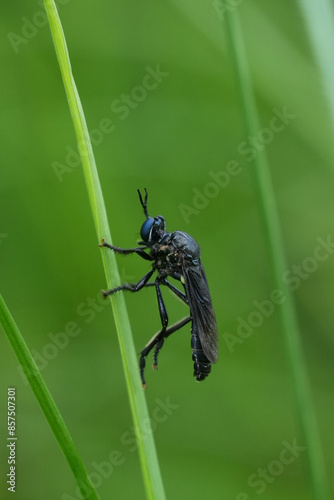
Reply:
x=157, y=348
x=162, y=307
x=132, y=287
x=158, y=336
x=163, y=313
x=126, y=251
x=164, y=323
x=168, y=332
x=155, y=341
x=173, y=288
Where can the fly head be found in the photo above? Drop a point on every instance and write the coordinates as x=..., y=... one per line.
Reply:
x=154, y=228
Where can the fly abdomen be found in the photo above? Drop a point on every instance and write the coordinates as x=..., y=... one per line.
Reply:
x=202, y=366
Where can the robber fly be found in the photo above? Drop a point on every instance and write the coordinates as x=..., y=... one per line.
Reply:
x=175, y=255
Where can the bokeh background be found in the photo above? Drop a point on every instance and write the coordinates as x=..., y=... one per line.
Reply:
x=212, y=438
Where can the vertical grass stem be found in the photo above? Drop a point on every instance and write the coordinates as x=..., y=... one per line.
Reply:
x=276, y=254
x=146, y=446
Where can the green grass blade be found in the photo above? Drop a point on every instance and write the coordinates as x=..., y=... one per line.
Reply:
x=46, y=402
x=277, y=260
x=146, y=446
x=319, y=17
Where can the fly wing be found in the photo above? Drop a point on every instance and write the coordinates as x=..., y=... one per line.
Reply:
x=203, y=315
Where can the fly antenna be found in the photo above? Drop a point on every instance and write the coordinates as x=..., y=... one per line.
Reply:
x=144, y=203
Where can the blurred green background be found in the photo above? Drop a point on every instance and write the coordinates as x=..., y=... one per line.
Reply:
x=166, y=133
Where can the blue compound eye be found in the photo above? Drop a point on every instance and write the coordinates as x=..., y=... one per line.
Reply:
x=146, y=229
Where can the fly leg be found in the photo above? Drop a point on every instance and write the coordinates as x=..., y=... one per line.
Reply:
x=160, y=342
x=132, y=287
x=175, y=290
x=156, y=342
x=164, y=323
x=158, y=338
x=126, y=251
x=157, y=348
x=168, y=332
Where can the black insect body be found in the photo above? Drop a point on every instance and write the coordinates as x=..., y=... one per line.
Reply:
x=176, y=255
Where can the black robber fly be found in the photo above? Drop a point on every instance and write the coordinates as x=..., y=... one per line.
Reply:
x=175, y=255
